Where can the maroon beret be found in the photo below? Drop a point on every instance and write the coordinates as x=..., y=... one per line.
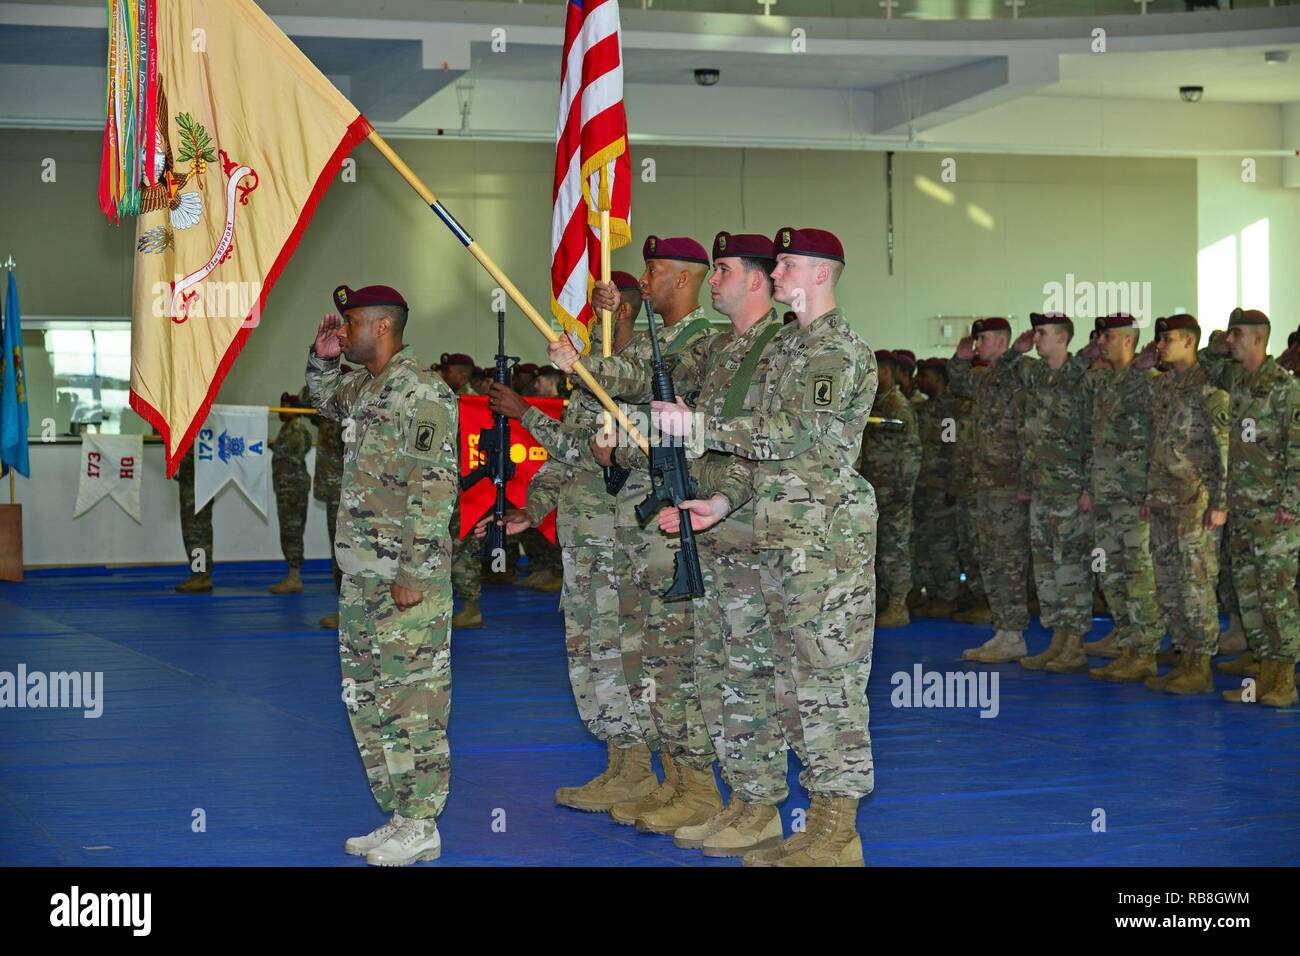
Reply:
x=1241, y=316
x=884, y=355
x=1048, y=318
x=624, y=281
x=934, y=362
x=1120, y=320
x=807, y=242
x=681, y=248
x=994, y=324
x=905, y=357
x=1170, y=323
x=456, y=358
x=528, y=368
x=345, y=298
x=746, y=244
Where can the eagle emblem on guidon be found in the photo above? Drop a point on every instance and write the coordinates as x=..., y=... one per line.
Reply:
x=823, y=390
x=722, y=241
x=785, y=238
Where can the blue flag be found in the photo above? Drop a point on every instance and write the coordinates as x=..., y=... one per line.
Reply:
x=13, y=389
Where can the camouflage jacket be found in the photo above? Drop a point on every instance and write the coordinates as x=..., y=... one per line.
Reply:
x=796, y=451
x=289, y=452
x=1121, y=432
x=1263, y=435
x=1056, y=433
x=936, y=418
x=620, y=375
x=961, y=482
x=400, y=475
x=329, y=459
x=891, y=460
x=569, y=481
x=996, y=411
x=1189, y=440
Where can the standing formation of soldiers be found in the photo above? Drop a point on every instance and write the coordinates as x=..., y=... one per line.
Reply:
x=1099, y=469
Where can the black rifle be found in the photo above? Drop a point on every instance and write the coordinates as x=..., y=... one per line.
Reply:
x=671, y=483
x=494, y=446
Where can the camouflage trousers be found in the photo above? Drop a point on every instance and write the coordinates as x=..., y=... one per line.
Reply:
x=331, y=503
x=1060, y=541
x=1127, y=575
x=466, y=565
x=967, y=544
x=1264, y=558
x=291, y=512
x=196, y=529
x=659, y=645
x=1002, y=538
x=894, y=548
x=934, y=542
x=735, y=670
x=593, y=647
x=1226, y=591
x=397, y=684
x=1186, y=560
x=823, y=607
x=542, y=554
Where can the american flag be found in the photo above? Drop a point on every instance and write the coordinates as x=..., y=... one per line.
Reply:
x=592, y=166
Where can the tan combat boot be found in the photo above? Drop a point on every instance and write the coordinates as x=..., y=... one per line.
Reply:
x=1191, y=676
x=977, y=614
x=756, y=827
x=935, y=608
x=835, y=842
x=330, y=622
x=1036, y=662
x=1170, y=656
x=1130, y=668
x=1233, y=640
x=1070, y=659
x=1158, y=683
x=693, y=837
x=695, y=800
x=894, y=615
x=1108, y=646
x=816, y=812
x=1246, y=664
x=628, y=776
x=1005, y=647
x=1263, y=684
x=915, y=598
x=627, y=812
x=1281, y=693
x=292, y=583
x=470, y=615
x=196, y=584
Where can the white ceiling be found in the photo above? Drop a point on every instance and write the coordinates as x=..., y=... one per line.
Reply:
x=1229, y=75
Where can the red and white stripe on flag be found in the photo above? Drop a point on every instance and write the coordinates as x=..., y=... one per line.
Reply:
x=592, y=165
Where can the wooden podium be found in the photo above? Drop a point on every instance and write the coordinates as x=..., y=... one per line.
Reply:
x=11, y=542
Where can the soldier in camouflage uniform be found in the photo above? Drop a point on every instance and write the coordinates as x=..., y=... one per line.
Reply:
x=545, y=564
x=327, y=484
x=196, y=531
x=815, y=522
x=1263, y=502
x=734, y=649
x=570, y=483
x=1117, y=487
x=891, y=460
x=292, y=487
x=938, y=569
x=1057, y=448
x=399, y=485
x=1187, y=500
x=1001, y=522
x=972, y=603
x=659, y=636
x=466, y=560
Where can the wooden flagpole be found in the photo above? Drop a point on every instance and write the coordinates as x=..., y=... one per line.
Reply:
x=502, y=280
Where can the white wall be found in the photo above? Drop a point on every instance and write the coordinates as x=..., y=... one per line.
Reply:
x=107, y=535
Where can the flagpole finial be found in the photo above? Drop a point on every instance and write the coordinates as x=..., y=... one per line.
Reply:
x=10, y=264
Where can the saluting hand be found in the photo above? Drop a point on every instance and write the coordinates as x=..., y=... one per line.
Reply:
x=504, y=400
x=327, y=345
x=704, y=514
x=966, y=348
x=1024, y=341
x=1219, y=342
x=1147, y=357
x=1092, y=350
x=562, y=354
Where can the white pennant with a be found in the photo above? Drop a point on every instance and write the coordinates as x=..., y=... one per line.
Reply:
x=110, y=465
x=232, y=446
